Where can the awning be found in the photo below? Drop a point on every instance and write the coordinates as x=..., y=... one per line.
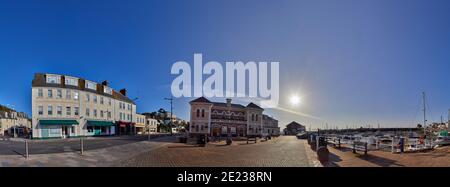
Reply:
x=58, y=122
x=100, y=123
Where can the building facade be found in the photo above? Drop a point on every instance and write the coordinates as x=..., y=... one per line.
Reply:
x=225, y=119
x=294, y=128
x=14, y=123
x=65, y=106
x=270, y=126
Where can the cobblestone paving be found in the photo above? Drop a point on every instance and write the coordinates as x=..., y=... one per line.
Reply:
x=284, y=151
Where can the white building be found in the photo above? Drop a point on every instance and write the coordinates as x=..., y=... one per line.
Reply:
x=13, y=123
x=65, y=106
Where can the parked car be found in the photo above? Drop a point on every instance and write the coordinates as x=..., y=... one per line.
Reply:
x=302, y=135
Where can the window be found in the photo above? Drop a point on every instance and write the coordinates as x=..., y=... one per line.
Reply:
x=90, y=85
x=59, y=110
x=50, y=110
x=40, y=110
x=95, y=98
x=68, y=111
x=101, y=113
x=68, y=96
x=40, y=93
x=198, y=112
x=101, y=100
x=88, y=97
x=95, y=112
x=77, y=111
x=253, y=117
x=75, y=95
x=109, y=101
x=73, y=130
x=53, y=79
x=71, y=81
x=87, y=112
x=107, y=90
x=49, y=93
x=120, y=105
x=59, y=93
x=109, y=114
x=203, y=113
x=128, y=116
x=129, y=107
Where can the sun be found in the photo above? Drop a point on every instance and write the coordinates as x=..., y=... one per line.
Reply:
x=295, y=100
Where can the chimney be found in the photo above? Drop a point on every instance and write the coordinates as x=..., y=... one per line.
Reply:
x=123, y=92
x=228, y=102
x=105, y=83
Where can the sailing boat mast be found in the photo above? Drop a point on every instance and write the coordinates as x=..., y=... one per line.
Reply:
x=424, y=111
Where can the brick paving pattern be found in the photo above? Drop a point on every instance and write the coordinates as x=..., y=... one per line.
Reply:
x=284, y=151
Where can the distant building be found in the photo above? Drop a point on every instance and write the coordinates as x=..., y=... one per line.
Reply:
x=270, y=126
x=14, y=123
x=65, y=106
x=294, y=128
x=226, y=119
x=140, y=124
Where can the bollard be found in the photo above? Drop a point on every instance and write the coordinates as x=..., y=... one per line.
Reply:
x=81, y=147
x=317, y=142
x=26, y=148
x=365, y=148
x=354, y=147
x=392, y=145
x=339, y=142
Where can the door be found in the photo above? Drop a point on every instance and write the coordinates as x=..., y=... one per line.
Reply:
x=65, y=131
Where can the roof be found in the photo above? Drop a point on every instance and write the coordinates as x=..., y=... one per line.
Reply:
x=294, y=124
x=200, y=100
x=40, y=81
x=253, y=105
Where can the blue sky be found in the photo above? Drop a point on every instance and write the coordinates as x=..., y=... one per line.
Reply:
x=355, y=62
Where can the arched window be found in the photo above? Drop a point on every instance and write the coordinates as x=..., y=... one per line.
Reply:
x=203, y=113
x=198, y=112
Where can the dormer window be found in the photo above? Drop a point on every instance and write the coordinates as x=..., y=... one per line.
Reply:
x=53, y=79
x=91, y=85
x=71, y=81
x=107, y=90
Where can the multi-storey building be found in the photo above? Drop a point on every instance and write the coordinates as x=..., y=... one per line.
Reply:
x=140, y=124
x=65, y=106
x=270, y=126
x=225, y=119
x=151, y=125
x=14, y=123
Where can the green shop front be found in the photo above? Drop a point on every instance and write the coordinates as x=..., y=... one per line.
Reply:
x=58, y=128
x=100, y=128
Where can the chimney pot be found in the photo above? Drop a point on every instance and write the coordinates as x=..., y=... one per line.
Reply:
x=123, y=92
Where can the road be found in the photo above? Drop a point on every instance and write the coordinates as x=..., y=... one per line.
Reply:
x=66, y=145
x=284, y=151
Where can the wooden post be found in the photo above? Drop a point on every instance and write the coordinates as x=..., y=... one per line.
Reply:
x=365, y=148
x=354, y=147
x=339, y=142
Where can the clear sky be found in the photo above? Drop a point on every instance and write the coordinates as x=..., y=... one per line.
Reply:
x=355, y=62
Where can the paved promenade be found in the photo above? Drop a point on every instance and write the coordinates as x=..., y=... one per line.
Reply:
x=284, y=151
x=345, y=158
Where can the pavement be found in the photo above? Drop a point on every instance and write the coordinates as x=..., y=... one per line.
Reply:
x=17, y=146
x=101, y=157
x=344, y=157
x=283, y=151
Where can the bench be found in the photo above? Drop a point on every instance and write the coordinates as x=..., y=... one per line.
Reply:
x=359, y=146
